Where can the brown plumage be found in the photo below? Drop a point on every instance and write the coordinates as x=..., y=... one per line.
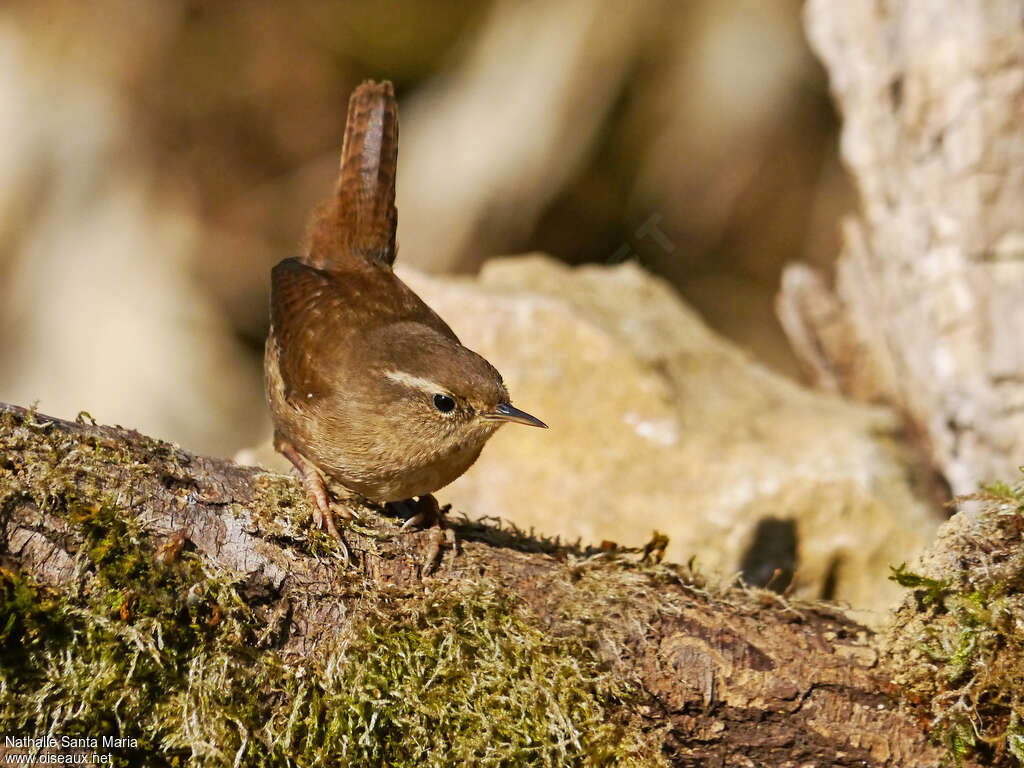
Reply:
x=359, y=222
x=366, y=384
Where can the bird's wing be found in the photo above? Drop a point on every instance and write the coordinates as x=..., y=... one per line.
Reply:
x=321, y=320
x=301, y=301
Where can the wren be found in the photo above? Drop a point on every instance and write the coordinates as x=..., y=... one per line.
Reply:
x=366, y=384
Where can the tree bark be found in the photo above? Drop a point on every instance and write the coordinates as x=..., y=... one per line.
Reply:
x=733, y=677
x=928, y=303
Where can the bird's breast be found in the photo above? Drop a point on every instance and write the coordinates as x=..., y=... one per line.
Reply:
x=394, y=476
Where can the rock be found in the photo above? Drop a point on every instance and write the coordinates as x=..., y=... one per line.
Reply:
x=657, y=423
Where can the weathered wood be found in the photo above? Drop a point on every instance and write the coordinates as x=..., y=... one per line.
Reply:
x=928, y=305
x=735, y=678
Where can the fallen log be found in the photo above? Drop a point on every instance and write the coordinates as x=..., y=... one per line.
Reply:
x=185, y=605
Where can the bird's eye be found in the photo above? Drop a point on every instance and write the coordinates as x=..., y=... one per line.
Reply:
x=443, y=403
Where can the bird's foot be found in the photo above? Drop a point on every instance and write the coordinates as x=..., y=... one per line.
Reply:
x=316, y=491
x=423, y=512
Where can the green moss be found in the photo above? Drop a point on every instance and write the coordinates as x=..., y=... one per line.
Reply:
x=969, y=631
x=927, y=591
x=162, y=649
x=463, y=678
x=108, y=656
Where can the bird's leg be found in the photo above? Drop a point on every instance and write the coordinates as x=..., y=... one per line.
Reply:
x=426, y=512
x=313, y=482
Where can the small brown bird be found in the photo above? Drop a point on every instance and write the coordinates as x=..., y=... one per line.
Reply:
x=366, y=384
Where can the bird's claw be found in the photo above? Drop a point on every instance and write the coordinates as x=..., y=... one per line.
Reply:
x=323, y=518
x=426, y=513
x=414, y=522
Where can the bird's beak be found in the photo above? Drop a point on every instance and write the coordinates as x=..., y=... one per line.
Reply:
x=508, y=412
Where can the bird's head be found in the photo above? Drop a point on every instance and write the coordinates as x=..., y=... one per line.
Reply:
x=439, y=392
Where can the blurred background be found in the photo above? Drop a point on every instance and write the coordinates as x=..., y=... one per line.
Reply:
x=158, y=158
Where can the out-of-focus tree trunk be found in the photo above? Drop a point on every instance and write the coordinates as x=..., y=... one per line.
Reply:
x=927, y=311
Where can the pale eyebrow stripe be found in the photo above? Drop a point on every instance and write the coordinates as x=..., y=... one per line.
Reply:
x=416, y=382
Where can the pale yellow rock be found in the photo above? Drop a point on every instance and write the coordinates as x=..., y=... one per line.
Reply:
x=658, y=423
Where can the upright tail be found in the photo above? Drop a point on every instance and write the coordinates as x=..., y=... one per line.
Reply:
x=361, y=220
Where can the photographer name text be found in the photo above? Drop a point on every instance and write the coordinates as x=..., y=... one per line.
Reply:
x=69, y=742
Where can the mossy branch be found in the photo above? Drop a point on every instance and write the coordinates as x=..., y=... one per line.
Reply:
x=184, y=602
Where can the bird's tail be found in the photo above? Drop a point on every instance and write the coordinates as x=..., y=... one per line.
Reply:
x=361, y=220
